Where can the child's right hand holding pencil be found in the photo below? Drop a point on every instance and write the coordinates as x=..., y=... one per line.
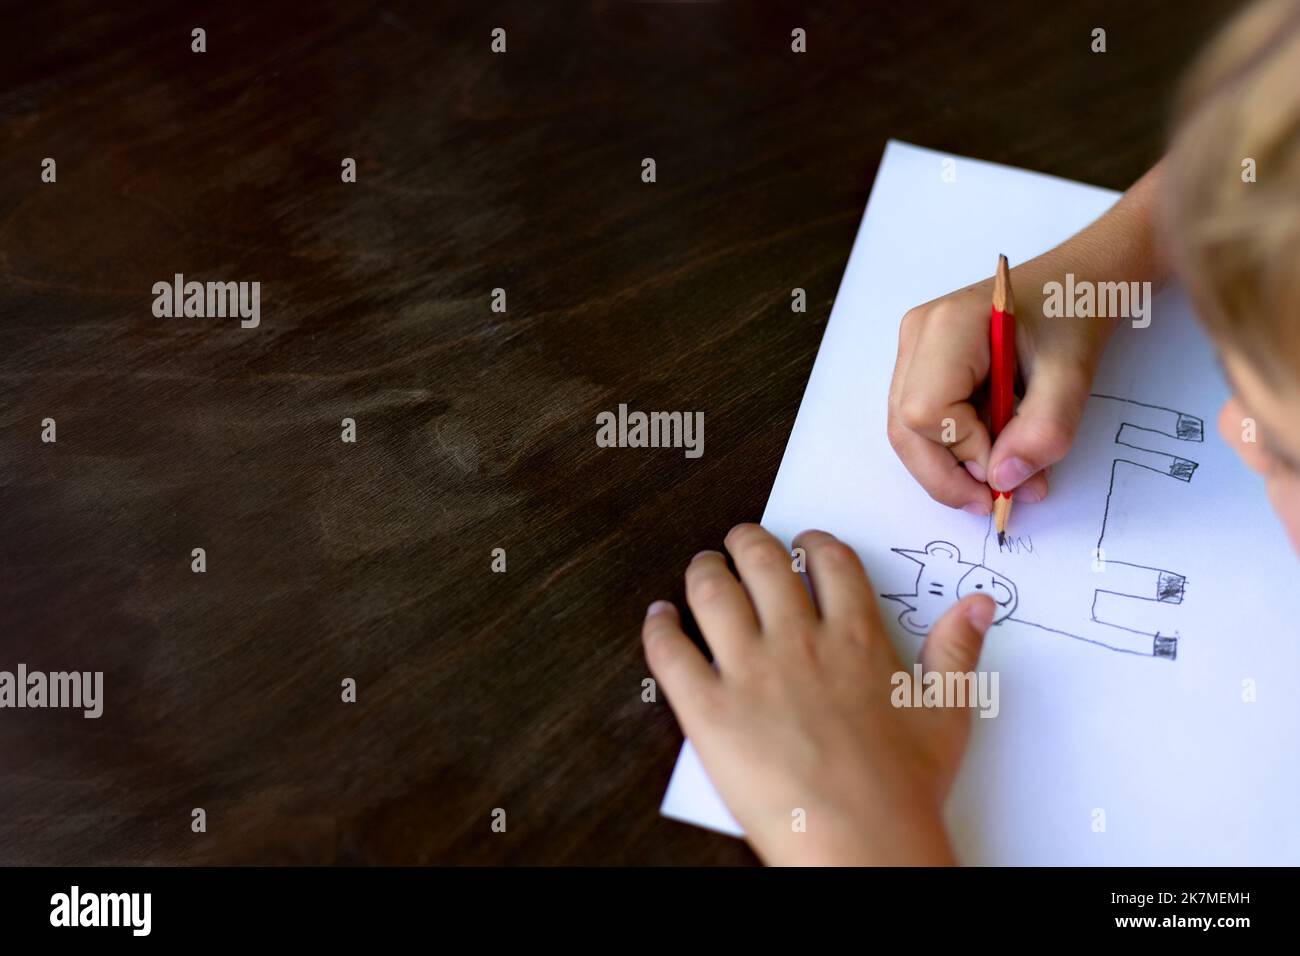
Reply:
x=936, y=398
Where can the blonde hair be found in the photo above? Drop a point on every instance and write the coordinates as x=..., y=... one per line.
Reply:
x=1236, y=243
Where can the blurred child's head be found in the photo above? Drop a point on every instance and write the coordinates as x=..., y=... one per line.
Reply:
x=1233, y=191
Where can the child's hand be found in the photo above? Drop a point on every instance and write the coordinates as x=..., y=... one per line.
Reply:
x=943, y=364
x=935, y=422
x=797, y=714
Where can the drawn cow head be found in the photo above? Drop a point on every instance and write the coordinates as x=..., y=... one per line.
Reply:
x=944, y=579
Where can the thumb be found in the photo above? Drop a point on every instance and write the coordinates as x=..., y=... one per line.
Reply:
x=1043, y=427
x=954, y=643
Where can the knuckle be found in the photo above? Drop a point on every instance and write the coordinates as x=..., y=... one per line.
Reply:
x=761, y=553
x=860, y=630
x=706, y=586
x=1074, y=372
x=896, y=431
x=838, y=554
x=741, y=533
x=919, y=413
x=654, y=626
x=912, y=318
x=657, y=655
x=1051, y=437
x=803, y=640
x=960, y=650
x=949, y=310
x=750, y=544
x=944, y=494
x=966, y=649
x=811, y=538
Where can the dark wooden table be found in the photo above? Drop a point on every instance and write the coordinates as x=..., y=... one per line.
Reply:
x=475, y=430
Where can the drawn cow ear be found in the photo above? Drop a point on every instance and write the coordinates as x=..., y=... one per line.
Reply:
x=943, y=549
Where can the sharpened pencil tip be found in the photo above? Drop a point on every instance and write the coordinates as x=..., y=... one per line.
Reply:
x=1003, y=298
x=1002, y=538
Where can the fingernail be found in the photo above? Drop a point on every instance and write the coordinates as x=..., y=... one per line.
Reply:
x=976, y=471
x=707, y=553
x=1029, y=494
x=1010, y=473
x=980, y=613
x=658, y=607
x=977, y=508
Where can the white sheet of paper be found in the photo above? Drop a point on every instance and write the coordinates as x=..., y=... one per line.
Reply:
x=1097, y=755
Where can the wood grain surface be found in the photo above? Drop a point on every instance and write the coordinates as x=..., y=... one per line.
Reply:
x=475, y=430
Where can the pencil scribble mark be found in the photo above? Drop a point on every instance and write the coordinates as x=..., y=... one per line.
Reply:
x=1017, y=544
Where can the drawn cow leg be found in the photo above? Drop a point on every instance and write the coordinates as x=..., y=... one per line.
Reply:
x=1138, y=595
x=1147, y=600
x=1116, y=638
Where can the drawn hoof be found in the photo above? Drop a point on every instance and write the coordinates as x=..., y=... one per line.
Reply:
x=1166, y=647
x=1169, y=587
x=1190, y=428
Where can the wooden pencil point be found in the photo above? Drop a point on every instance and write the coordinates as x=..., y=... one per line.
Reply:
x=1001, y=515
x=1003, y=298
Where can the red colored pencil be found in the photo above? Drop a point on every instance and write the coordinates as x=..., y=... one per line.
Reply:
x=1002, y=378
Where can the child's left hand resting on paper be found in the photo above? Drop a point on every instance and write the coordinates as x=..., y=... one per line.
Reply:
x=797, y=713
